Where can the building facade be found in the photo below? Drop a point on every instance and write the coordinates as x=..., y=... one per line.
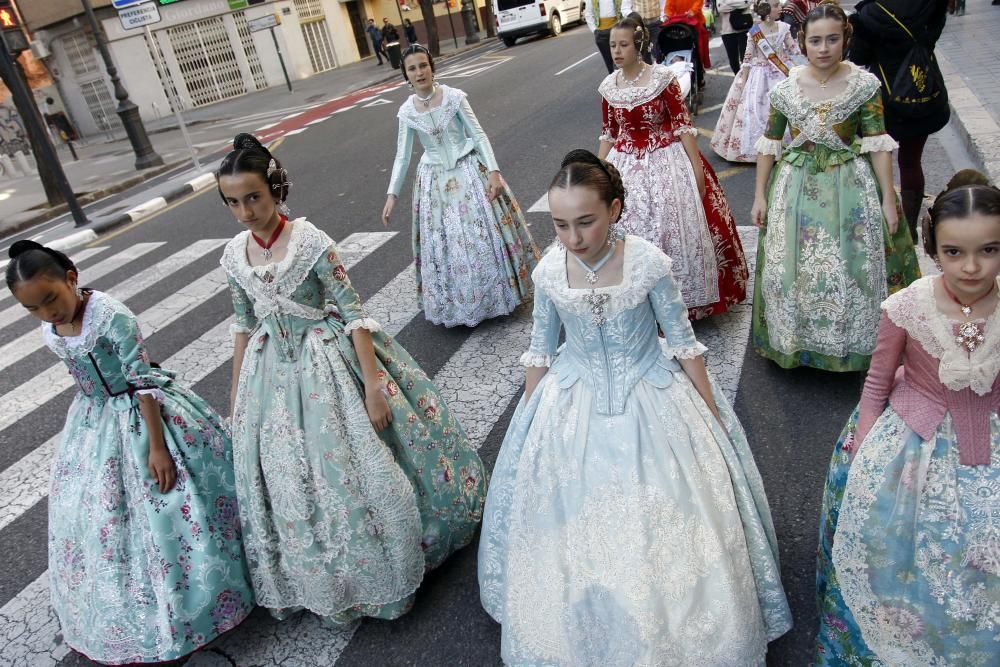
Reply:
x=202, y=51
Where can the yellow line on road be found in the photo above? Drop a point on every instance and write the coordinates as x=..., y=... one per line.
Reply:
x=705, y=133
x=118, y=232
x=726, y=173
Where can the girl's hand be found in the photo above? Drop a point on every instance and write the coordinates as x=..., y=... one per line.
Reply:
x=495, y=186
x=161, y=466
x=390, y=203
x=759, y=212
x=699, y=176
x=891, y=213
x=378, y=409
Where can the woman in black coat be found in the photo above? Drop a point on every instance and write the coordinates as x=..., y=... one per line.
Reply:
x=880, y=44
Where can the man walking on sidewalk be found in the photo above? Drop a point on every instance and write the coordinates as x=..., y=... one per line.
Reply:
x=601, y=15
x=389, y=32
x=376, y=36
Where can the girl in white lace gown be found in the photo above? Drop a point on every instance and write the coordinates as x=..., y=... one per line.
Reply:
x=626, y=524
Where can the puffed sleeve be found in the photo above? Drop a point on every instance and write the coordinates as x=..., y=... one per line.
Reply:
x=404, y=149
x=770, y=142
x=680, y=117
x=609, y=124
x=873, y=135
x=130, y=348
x=544, y=332
x=881, y=375
x=478, y=136
x=242, y=307
x=338, y=291
x=672, y=316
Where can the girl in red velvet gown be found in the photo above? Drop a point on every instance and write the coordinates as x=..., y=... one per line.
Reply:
x=673, y=198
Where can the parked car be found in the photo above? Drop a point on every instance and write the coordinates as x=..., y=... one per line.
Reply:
x=518, y=18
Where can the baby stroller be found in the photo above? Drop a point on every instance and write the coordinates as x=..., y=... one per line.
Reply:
x=678, y=43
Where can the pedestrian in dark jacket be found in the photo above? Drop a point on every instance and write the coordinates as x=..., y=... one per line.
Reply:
x=376, y=37
x=410, y=30
x=881, y=44
x=389, y=32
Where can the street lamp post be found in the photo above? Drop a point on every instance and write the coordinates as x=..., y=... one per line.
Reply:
x=145, y=154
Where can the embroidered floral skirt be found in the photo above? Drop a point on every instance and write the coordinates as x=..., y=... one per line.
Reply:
x=908, y=568
x=339, y=519
x=639, y=539
x=744, y=114
x=825, y=263
x=473, y=257
x=699, y=235
x=137, y=575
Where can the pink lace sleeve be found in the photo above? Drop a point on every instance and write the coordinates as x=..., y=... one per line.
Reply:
x=881, y=374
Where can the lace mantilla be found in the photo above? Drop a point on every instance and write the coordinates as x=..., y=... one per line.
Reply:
x=272, y=286
x=97, y=317
x=451, y=102
x=815, y=120
x=643, y=267
x=915, y=310
x=632, y=97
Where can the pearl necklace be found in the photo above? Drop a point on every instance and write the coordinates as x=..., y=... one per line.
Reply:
x=631, y=82
x=426, y=101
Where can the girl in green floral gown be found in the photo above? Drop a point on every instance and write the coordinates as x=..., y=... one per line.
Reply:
x=831, y=246
x=353, y=477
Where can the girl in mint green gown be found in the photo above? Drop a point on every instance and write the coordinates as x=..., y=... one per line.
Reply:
x=145, y=551
x=353, y=477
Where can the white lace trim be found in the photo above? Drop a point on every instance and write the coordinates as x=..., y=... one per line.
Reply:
x=686, y=130
x=605, y=137
x=305, y=246
x=695, y=350
x=363, y=323
x=915, y=310
x=97, y=316
x=880, y=142
x=238, y=329
x=534, y=360
x=155, y=392
x=802, y=113
x=644, y=265
x=766, y=146
x=451, y=102
x=632, y=97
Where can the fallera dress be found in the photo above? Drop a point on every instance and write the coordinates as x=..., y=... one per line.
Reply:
x=338, y=519
x=909, y=557
x=825, y=259
x=769, y=56
x=625, y=527
x=473, y=257
x=662, y=203
x=137, y=575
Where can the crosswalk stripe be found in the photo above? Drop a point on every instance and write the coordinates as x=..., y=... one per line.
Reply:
x=21, y=347
x=77, y=257
x=24, y=484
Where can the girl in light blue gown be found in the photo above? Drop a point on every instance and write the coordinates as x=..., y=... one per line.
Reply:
x=626, y=523
x=145, y=548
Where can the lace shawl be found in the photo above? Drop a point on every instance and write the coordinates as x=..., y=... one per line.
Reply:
x=451, y=102
x=97, y=317
x=915, y=310
x=630, y=98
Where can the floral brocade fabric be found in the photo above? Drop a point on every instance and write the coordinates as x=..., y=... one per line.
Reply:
x=338, y=519
x=137, y=575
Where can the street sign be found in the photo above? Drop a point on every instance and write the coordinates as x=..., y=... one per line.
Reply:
x=264, y=22
x=122, y=4
x=237, y=4
x=138, y=16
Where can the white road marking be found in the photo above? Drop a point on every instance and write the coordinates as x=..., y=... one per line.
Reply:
x=345, y=109
x=540, y=206
x=291, y=133
x=319, y=120
x=581, y=60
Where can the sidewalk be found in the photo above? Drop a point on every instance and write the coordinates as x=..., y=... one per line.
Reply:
x=107, y=165
x=969, y=55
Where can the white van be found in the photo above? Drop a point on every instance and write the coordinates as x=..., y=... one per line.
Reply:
x=517, y=18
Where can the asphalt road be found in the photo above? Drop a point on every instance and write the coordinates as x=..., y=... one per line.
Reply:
x=535, y=108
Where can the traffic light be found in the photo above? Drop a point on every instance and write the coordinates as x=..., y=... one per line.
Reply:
x=10, y=24
x=8, y=17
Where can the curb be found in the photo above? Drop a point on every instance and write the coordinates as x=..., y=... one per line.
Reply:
x=979, y=131
x=135, y=214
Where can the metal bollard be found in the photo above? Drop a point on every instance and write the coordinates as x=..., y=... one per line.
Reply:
x=8, y=167
x=22, y=162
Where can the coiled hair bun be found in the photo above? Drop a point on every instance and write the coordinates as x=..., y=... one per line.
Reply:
x=29, y=259
x=582, y=168
x=250, y=155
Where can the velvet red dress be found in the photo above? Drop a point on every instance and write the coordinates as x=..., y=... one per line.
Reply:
x=644, y=124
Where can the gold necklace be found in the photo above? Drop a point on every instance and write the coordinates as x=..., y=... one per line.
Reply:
x=822, y=84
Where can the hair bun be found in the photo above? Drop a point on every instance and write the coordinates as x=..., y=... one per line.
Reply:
x=834, y=3
x=23, y=246
x=244, y=141
x=583, y=156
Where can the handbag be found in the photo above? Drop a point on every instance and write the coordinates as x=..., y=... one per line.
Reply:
x=740, y=20
x=918, y=87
